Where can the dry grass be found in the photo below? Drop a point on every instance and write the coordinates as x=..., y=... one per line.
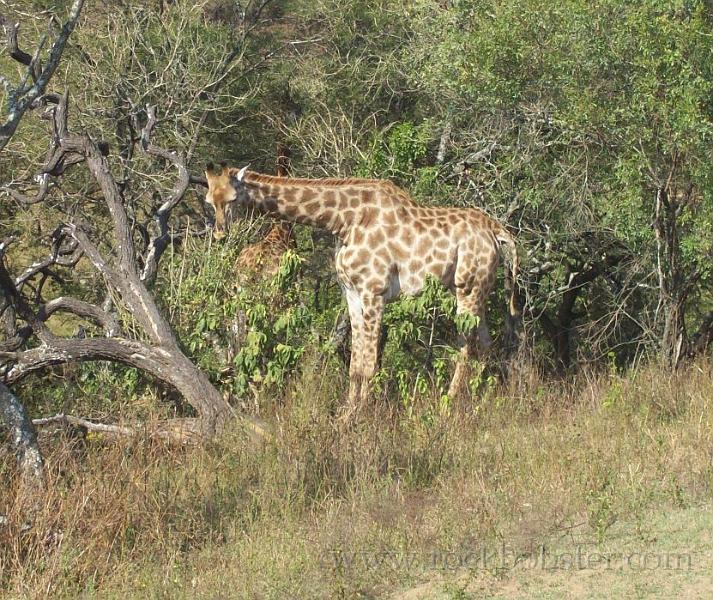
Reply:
x=322, y=513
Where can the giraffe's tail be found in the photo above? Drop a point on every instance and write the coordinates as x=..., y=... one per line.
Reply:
x=505, y=239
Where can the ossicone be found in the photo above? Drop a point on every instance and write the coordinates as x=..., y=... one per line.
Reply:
x=211, y=169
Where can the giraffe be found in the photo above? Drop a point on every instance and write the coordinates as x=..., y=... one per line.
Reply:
x=263, y=257
x=387, y=245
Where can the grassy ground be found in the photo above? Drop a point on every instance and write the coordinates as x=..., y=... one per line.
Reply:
x=598, y=486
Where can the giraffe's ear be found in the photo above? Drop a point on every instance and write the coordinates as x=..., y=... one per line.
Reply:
x=241, y=173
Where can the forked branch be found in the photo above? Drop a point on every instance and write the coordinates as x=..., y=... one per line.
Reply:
x=160, y=241
x=22, y=97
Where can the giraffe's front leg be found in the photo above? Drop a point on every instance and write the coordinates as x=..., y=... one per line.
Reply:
x=371, y=334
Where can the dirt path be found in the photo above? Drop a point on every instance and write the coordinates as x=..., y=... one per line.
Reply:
x=670, y=556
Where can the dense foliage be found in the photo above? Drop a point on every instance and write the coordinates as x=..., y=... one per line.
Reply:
x=585, y=126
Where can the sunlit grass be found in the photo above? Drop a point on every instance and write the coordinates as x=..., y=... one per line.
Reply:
x=307, y=513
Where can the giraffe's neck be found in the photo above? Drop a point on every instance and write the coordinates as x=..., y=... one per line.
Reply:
x=324, y=203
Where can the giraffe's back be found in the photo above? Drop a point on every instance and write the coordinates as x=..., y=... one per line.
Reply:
x=399, y=247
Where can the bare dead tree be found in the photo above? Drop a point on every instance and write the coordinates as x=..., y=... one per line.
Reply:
x=160, y=354
x=144, y=340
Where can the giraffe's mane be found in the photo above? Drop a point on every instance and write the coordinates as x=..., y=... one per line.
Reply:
x=253, y=177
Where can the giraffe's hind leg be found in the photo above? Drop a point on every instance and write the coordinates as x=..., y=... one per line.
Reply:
x=475, y=342
x=373, y=312
x=365, y=313
x=474, y=278
x=356, y=320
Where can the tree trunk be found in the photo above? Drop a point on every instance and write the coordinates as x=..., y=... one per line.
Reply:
x=558, y=334
x=673, y=343
x=703, y=337
x=675, y=284
x=196, y=389
x=23, y=441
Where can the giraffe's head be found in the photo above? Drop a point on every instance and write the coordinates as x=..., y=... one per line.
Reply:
x=225, y=187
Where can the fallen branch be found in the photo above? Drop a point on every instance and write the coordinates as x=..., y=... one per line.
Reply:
x=183, y=431
x=88, y=425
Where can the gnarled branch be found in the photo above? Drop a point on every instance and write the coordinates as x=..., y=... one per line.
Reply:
x=21, y=98
x=158, y=244
x=83, y=309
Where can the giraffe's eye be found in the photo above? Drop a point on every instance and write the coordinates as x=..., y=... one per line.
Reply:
x=230, y=196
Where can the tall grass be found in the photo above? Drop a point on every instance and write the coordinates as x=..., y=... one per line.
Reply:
x=288, y=517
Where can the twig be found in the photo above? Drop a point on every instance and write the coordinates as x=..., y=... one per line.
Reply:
x=79, y=422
